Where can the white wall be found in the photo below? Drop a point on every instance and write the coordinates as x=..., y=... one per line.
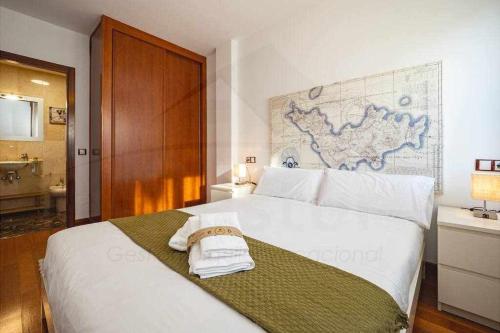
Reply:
x=345, y=39
x=226, y=111
x=38, y=39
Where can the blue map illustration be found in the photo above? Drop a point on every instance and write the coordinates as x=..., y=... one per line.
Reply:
x=378, y=133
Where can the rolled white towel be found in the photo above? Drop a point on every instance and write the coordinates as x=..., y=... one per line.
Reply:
x=179, y=240
x=212, y=267
x=221, y=245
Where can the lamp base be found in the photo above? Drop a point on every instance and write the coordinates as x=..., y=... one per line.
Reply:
x=486, y=214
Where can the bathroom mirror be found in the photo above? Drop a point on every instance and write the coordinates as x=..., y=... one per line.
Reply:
x=21, y=118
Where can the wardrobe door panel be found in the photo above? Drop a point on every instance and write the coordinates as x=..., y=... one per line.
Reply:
x=183, y=159
x=137, y=133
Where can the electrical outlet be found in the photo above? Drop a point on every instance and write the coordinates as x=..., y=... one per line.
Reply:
x=497, y=165
x=250, y=159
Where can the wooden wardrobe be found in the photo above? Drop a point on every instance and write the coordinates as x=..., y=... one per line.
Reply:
x=147, y=123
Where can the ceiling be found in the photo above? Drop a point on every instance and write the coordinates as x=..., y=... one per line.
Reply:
x=199, y=25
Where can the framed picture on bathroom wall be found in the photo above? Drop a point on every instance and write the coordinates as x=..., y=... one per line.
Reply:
x=57, y=116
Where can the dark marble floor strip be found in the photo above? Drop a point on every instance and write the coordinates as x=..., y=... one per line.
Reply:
x=20, y=223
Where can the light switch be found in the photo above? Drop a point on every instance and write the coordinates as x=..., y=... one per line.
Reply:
x=488, y=165
x=485, y=165
x=82, y=151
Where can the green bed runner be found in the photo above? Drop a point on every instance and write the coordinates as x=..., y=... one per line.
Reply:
x=285, y=292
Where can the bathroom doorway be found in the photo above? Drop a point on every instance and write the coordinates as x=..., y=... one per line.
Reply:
x=37, y=155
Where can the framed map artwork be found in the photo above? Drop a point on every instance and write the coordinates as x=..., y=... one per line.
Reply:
x=389, y=122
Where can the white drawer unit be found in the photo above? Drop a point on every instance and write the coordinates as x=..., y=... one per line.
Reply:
x=470, y=250
x=470, y=292
x=229, y=190
x=469, y=266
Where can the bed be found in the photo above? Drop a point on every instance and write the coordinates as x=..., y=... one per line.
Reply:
x=91, y=273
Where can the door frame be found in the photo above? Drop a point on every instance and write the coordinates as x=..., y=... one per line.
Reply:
x=70, y=123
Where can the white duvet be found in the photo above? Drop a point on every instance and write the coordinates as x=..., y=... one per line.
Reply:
x=98, y=280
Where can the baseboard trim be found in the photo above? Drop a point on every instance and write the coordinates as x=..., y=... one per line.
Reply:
x=82, y=221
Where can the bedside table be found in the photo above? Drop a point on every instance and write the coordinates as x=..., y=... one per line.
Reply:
x=469, y=266
x=229, y=190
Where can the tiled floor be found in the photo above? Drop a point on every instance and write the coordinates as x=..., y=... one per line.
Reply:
x=19, y=223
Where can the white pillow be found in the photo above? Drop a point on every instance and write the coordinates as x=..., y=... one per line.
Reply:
x=406, y=197
x=297, y=184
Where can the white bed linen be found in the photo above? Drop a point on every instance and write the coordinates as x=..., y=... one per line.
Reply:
x=98, y=280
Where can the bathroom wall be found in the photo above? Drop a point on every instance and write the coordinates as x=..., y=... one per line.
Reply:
x=52, y=150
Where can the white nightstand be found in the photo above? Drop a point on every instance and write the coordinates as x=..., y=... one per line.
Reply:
x=229, y=190
x=469, y=266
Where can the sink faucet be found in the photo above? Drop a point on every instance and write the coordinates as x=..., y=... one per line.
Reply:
x=24, y=157
x=10, y=176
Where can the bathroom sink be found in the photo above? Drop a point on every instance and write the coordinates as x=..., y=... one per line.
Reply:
x=15, y=165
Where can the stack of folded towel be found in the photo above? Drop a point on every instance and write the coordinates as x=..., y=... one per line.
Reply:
x=213, y=255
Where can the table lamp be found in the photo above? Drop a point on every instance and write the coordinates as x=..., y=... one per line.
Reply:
x=242, y=174
x=486, y=187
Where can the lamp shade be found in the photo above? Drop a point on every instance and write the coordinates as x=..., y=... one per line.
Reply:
x=485, y=186
x=242, y=170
